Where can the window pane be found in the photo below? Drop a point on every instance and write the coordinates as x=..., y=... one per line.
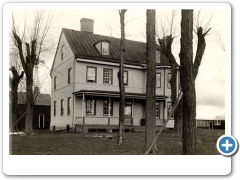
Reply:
x=107, y=76
x=125, y=77
x=158, y=80
x=105, y=48
x=90, y=107
x=107, y=107
x=91, y=74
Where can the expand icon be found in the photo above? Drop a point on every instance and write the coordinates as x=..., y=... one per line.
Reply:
x=227, y=145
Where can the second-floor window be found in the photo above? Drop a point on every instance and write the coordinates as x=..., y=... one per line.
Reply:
x=91, y=74
x=125, y=78
x=62, y=107
x=107, y=76
x=169, y=80
x=158, y=80
x=90, y=107
x=69, y=75
x=54, y=108
x=55, y=83
x=69, y=106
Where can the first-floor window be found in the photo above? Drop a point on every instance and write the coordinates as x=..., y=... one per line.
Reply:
x=69, y=106
x=90, y=109
x=107, y=107
x=62, y=107
x=54, y=108
x=157, y=110
x=169, y=106
x=217, y=123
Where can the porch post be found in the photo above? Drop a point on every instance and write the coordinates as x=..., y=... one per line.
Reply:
x=109, y=110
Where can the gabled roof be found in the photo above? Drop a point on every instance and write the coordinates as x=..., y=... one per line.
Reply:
x=42, y=99
x=83, y=46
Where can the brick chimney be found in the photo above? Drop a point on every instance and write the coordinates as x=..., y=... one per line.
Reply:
x=87, y=25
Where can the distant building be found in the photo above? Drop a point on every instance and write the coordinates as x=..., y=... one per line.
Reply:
x=210, y=124
x=41, y=111
x=85, y=90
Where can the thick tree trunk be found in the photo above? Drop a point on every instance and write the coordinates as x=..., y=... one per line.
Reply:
x=14, y=82
x=29, y=110
x=151, y=82
x=166, y=47
x=187, y=83
x=120, y=79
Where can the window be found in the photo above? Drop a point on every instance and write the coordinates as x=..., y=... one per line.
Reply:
x=69, y=75
x=90, y=109
x=91, y=74
x=107, y=76
x=69, y=106
x=54, y=108
x=62, y=107
x=105, y=48
x=62, y=52
x=107, y=107
x=157, y=110
x=158, y=57
x=158, y=80
x=125, y=78
x=217, y=123
x=169, y=106
x=128, y=109
x=169, y=80
x=55, y=83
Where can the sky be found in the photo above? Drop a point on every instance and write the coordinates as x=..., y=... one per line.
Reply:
x=210, y=83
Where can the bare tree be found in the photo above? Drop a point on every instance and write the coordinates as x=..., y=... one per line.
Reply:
x=121, y=78
x=30, y=54
x=151, y=82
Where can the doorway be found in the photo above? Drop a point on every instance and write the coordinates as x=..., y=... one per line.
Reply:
x=41, y=121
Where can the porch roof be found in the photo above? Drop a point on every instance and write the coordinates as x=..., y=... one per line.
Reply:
x=115, y=94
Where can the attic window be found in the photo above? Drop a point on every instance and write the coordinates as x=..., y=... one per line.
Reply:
x=158, y=57
x=103, y=47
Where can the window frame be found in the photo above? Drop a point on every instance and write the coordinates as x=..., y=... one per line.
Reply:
x=55, y=83
x=95, y=74
x=62, y=52
x=160, y=80
x=69, y=106
x=126, y=84
x=94, y=113
x=217, y=123
x=111, y=105
x=168, y=80
x=54, y=108
x=108, y=48
x=62, y=107
x=69, y=75
x=111, y=70
x=158, y=51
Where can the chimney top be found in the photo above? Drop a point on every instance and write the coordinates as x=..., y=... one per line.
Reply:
x=87, y=25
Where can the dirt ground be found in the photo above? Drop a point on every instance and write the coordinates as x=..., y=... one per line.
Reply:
x=46, y=142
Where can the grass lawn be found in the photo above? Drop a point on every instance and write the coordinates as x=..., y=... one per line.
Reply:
x=46, y=142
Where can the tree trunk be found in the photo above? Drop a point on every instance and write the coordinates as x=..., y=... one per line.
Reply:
x=29, y=110
x=187, y=83
x=166, y=47
x=120, y=79
x=151, y=82
x=14, y=82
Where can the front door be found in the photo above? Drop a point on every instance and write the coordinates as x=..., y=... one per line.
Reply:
x=128, y=113
x=41, y=121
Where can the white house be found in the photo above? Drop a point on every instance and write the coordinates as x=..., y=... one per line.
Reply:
x=85, y=91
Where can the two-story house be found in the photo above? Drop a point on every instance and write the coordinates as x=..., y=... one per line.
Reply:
x=85, y=90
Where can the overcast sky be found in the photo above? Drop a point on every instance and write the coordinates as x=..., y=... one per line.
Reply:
x=210, y=83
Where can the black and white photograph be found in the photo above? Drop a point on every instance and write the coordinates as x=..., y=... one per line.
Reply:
x=127, y=81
